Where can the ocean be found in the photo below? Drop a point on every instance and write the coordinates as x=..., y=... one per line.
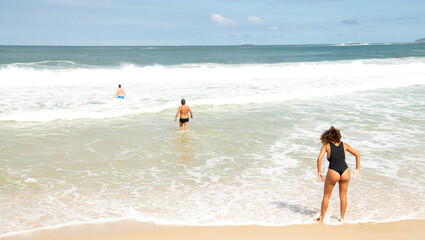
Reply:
x=72, y=154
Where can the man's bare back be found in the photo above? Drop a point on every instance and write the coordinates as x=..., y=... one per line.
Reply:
x=120, y=93
x=184, y=111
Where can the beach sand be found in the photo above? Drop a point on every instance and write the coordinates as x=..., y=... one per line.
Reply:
x=129, y=230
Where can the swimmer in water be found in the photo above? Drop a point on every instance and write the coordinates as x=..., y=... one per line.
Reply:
x=184, y=111
x=120, y=93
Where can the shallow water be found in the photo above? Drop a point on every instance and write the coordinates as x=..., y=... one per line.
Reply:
x=237, y=165
x=248, y=158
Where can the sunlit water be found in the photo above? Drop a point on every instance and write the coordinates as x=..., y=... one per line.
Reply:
x=70, y=153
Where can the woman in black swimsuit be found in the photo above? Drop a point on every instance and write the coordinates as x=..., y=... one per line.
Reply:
x=338, y=170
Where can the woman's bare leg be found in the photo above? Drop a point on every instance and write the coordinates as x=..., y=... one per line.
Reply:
x=343, y=186
x=331, y=179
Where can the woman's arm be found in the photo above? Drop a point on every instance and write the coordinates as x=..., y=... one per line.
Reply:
x=355, y=153
x=319, y=163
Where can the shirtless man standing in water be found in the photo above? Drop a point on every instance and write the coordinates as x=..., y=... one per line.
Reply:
x=184, y=111
x=120, y=92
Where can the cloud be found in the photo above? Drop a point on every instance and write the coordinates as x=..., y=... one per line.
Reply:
x=256, y=20
x=273, y=28
x=222, y=21
x=259, y=22
x=349, y=22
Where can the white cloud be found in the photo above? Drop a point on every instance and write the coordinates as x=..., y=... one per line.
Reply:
x=222, y=21
x=273, y=28
x=256, y=20
x=259, y=22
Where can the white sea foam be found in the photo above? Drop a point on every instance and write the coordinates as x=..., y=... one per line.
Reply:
x=30, y=180
x=40, y=63
x=46, y=95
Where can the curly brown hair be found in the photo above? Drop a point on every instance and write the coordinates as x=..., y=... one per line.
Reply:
x=331, y=135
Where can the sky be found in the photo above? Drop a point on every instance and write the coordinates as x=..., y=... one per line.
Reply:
x=209, y=22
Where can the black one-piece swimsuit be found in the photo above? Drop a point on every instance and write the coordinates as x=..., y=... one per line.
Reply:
x=337, y=159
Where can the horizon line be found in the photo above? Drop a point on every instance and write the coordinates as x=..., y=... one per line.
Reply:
x=200, y=45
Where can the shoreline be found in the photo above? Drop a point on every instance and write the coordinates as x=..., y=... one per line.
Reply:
x=131, y=229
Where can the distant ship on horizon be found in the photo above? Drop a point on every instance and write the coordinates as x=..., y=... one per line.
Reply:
x=247, y=44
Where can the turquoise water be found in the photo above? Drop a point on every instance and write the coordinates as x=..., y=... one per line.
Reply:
x=70, y=153
x=145, y=56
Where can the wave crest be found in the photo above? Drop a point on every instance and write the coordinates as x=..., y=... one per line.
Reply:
x=46, y=95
